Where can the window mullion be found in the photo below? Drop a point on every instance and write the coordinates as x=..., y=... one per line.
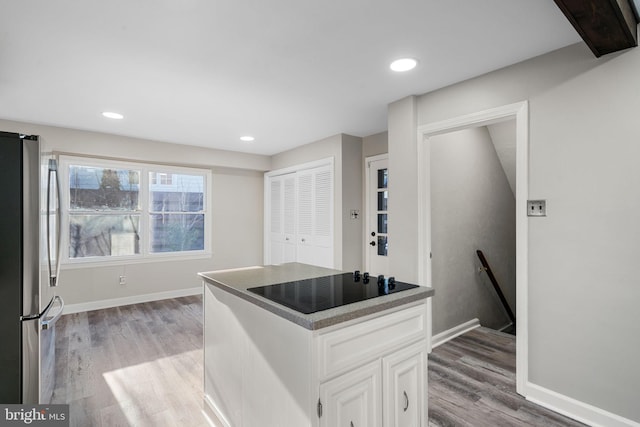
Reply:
x=145, y=235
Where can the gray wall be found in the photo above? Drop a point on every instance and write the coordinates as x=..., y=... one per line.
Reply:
x=346, y=151
x=373, y=145
x=472, y=207
x=237, y=213
x=583, y=279
x=352, y=186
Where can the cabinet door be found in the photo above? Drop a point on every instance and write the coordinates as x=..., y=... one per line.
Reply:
x=404, y=390
x=353, y=399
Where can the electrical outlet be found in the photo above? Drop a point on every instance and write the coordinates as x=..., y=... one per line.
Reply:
x=536, y=208
x=123, y=280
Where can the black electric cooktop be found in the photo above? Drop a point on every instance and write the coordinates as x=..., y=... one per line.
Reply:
x=322, y=293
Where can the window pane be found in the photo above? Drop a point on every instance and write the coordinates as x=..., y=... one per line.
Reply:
x=103, y=235
x=103, y=189
x=176, y=192
x=177, y=232
x=382, y=223
x=383, y=247
x=383, y=197
x=382, y=178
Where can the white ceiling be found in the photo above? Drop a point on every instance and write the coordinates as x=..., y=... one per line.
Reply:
x=289, y=72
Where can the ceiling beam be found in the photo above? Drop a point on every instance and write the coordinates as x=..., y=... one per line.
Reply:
x=606, y=26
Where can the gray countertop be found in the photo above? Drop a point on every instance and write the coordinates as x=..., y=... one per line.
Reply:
x=237, y=281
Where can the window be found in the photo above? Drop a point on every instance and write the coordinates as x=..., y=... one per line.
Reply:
x=122, y=210
x=176, y=213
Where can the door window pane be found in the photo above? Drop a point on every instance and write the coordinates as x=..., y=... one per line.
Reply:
x=383, y=249
x=103, y=235
x=383, y=197
x=382, y=223
x=382, y=178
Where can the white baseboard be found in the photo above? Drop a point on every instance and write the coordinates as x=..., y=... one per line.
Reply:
x=505, y=327
x=134, y=299
x=576, y=409
x=456, y=331
x=214, y=414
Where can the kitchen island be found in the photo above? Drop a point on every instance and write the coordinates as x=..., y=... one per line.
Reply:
x=266, y=364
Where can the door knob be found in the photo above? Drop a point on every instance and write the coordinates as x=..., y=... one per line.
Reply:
x=373, y=233
x=372, y=243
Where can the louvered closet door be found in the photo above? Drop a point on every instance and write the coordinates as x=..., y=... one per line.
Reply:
x=289, y=217
x=282, y=219
x=315, y=216
x=276, y=232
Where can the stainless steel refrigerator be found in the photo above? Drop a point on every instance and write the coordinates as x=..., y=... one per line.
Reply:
x=29, y=270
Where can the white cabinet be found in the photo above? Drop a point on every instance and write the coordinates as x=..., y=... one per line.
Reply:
x=404, y=387
x=375, y=367
x=300, y=216
x=362, y=397
x=261, y=369
x=353, y=399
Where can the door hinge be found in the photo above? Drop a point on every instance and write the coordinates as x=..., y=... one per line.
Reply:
x=319, y=408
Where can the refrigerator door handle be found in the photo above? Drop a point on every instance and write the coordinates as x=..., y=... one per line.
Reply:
x=53, y=274
x=47, y=323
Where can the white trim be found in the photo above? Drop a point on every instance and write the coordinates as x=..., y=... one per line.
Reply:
x=576, y=409
x=302, y=166
x=211, y=410
x=91, y=263
x=456, y=331
x=520, y=112
x=383, y=156
x=134, y=299
x=367, y=203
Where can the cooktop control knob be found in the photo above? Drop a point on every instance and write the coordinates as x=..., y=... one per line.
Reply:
x=383, y=288
x=356, y=276
x=392, y=283
x=365, y=277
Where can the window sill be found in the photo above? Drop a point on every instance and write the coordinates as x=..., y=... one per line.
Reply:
x=89, y=263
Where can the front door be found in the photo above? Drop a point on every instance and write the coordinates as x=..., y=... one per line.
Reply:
x=377, y=258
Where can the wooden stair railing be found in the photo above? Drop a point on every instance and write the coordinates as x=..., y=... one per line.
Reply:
x=486, y=268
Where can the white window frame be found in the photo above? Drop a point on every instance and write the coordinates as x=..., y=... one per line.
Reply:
x=145, y=254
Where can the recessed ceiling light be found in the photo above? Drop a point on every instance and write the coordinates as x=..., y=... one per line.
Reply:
x=403, y=64
x=112, y=115
x=247, y=138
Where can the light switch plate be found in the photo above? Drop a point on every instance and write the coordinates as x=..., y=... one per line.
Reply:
x=536, y=208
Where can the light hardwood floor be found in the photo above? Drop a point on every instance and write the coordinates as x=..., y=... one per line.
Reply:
x=137, y=365
x=141, y=365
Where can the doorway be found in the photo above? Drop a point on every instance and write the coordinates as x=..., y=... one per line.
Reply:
x=473, y=240
x=519, y=113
